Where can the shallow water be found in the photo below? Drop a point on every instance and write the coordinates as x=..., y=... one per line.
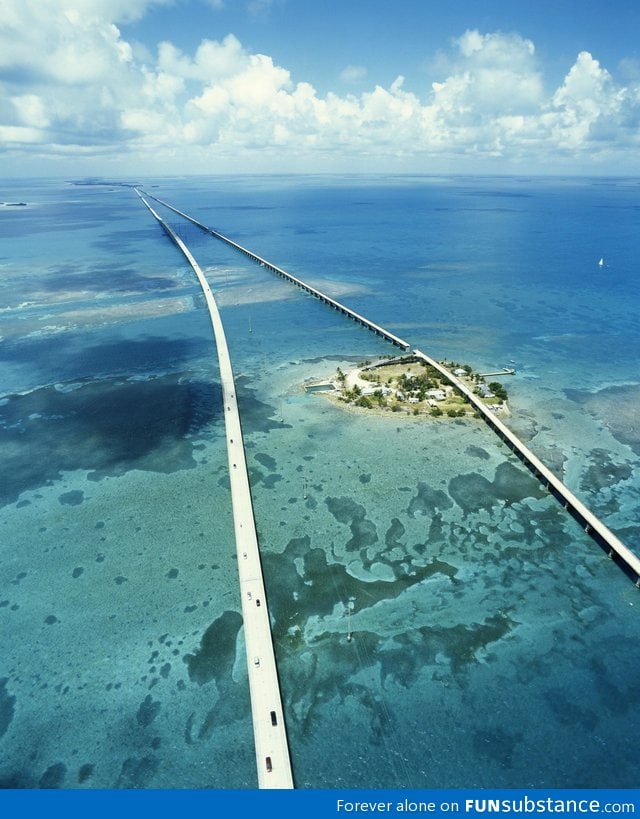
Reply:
x=493, y=642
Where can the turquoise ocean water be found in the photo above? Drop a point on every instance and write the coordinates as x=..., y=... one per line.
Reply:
x=495, y=645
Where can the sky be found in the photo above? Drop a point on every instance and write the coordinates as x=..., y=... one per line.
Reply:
x=172, y=87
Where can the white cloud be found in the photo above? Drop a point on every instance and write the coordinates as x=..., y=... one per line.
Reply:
x=72, y=81
x=30, y=110
x=353, y=73
x=259, y=7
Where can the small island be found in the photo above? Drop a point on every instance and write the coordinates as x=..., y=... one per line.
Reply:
x=411, y=386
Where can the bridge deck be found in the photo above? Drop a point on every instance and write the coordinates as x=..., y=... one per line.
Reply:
x=271, y=746
x=336, y=305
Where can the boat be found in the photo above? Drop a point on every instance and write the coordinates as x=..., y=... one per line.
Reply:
x=601, y=262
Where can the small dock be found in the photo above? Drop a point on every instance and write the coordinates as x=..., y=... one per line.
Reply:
x=503, y=371
x=313, y=291
x=270, y=736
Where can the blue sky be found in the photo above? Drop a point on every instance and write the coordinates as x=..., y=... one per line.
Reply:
x=222, y=86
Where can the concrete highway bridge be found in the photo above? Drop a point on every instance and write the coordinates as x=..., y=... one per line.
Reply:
x=272, y=754
x=272, y=750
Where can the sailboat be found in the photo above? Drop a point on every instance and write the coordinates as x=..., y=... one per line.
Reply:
x=601, y=262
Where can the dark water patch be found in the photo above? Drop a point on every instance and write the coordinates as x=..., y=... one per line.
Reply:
x=497, y=744
x=611, y=695
x=21, y=504
x=188, y=729
x=428, y=500
x=513, y=484
x=255, y=475
x=326, y=668
x=436, y=528
x=47, y=220
x=617, y=407
x=76, y=361
x=7, y=706
x=106, y=278
x=553, y=458
x=18, y=578
x=228, y=709
x=124, y=240
x=393, y=533
x=363, y=534
x=477, y=452
x=363, y=531
x=567, y=712
x=172, y=574
x=215, y=657
x=303, y=584
x=137, y=773
x=543, y=528
x=498, y=194
x=109, y=427
x=148, y=711
x=266, y=460
x=345, y=510
x=73, y=498
x=257, y=416
x=85, y=772
x=298, y=546
x=472, y=492
x=77, y=572
x=415, y=648
x=324, y=672
x=165, y=670
x=16, y=780
x=603, y=472
x=54, y=776
x=50, y=619
x=377, y=709
x=365, y=477
x=120, y=579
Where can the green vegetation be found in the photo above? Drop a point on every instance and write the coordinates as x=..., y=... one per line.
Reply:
x=498, y=390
